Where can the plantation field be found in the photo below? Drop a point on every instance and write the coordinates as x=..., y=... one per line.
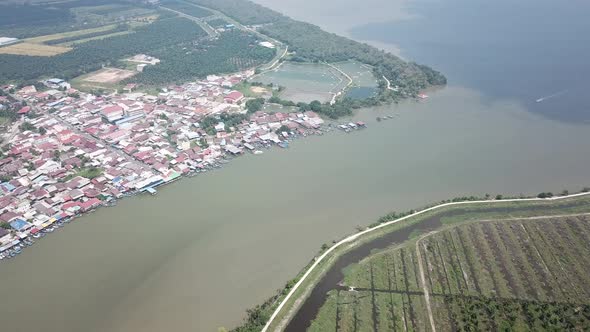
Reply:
x=507, y=274
x=33, y=49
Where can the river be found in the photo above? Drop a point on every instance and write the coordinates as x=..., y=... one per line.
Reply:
x=194, y=257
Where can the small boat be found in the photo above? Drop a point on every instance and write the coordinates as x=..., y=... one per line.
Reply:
x=258, y=152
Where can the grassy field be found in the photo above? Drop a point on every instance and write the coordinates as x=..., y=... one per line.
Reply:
x=519, y=274
x=33, y=49
x=106, y=79
x=46, y=38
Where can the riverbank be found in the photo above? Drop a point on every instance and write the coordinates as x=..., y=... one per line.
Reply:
x=286, y=304
x=26, y=237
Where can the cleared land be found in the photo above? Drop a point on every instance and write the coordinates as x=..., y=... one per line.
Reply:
x=69, y=34
x=518, y=274
x=109, y=76
x=34, y=49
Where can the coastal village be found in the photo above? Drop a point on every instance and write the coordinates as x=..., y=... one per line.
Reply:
x=71, y=152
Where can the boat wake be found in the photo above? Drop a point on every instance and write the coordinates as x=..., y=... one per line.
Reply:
x=542, y=99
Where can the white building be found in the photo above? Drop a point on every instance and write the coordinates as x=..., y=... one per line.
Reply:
x=7, y=41
x=267, y=44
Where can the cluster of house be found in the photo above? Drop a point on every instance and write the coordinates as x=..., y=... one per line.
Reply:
x=82, y=151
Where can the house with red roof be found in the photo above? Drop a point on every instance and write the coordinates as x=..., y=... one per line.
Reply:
x=113, y=113
x=24, y=110
x=234, y=97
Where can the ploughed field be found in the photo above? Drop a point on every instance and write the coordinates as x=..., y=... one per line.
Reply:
x=519, y=274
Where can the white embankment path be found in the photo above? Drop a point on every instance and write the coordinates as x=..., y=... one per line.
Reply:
x=369, y=230
x=350, y=81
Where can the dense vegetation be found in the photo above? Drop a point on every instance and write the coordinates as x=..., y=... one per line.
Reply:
x=217, y=23
x=23, y=21
x=12, y=15
x=231, y=52
x=92, y=55
x=342, y=107
x=312, y=44
x=254, y=105
x=186, y=8
x=229, y=119
x=245, y=11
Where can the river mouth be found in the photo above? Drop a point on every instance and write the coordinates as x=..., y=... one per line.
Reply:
x=332, y=279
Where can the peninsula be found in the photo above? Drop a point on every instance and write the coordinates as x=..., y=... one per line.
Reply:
x=111, y=105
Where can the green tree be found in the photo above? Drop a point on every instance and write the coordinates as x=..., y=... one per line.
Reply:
x=254, y=105
x=27, y=126
x=282, y=129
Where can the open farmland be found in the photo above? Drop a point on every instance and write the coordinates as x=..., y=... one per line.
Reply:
x=69, y=34
x=109, y=75
x=516, y=274
x=33, y=49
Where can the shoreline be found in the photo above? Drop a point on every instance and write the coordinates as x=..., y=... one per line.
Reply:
x=13, y=249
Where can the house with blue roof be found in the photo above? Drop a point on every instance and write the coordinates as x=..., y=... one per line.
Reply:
x=20, y=225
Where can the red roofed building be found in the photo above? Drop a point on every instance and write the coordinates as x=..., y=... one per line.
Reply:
x=24, y=110
x=90, y=204
x=64, y=135
x=113, y=113
x=234, y=97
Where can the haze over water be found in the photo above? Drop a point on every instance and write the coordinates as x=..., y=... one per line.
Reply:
x=205, y=249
